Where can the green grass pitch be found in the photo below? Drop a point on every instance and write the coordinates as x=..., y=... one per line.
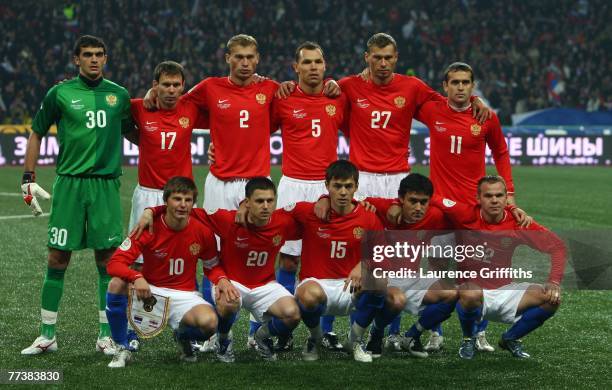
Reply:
x=572, y=350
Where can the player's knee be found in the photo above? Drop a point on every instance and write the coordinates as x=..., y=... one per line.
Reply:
x=470, y=299
x=291, y=313
x=58, y=259
x=287, y=262
x=117, y=286
x=310, y=295
x=207, y=322
x=449, y=296
x=395, y=300
x=226, y=309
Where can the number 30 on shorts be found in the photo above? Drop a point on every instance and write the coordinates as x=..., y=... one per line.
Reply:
x=58, y=236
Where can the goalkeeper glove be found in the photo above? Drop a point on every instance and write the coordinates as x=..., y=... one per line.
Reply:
x=30, y=190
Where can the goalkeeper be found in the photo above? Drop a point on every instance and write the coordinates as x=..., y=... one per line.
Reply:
x=90, y=113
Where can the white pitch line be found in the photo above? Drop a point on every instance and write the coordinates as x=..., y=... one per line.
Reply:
x=10, y=194
x=22, y=216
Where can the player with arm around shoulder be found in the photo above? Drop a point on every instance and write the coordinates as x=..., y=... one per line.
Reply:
x=524, y=305
x=431, y=299
x=171, y=255
x=330, y=275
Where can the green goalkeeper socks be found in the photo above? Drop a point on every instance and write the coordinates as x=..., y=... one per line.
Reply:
x=52, y=290
x=103, y=280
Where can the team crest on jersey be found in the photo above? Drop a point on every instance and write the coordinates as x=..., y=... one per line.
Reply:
x=276, y=240
x=111, y=100
x=194, y=248
x=506, y=242
x=261, y=98
x=448, y=202
x=475, y=129
x=330, y=109
x=358, y=232
x=184, y=122
x=126, y=244
x=399, y=101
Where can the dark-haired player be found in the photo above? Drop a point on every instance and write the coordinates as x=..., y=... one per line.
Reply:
x=91, y=113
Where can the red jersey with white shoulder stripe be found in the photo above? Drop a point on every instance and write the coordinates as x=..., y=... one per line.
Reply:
x=330, y=250
x=239, y=119
x=381, y=118
x=164, y=138
x=309, y=127
x=170, y=256
x=248, y=254
x=501, y=240
x=457, y=150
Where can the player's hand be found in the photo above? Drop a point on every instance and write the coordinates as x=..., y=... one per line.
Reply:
x=150, y=101
x=321, y=209
x=30, y=191
x=285, y=89
x=367, y=206
x=211, y=154
x=522, y=218
x=481, y=111
x=553, y=293
x=241, y=215
x=365, y=74
x=257, y=78
x=353, y=282
x=331, y=89
x=143, y=291
x=145, y=221
x=226, y=291
x=394, y=214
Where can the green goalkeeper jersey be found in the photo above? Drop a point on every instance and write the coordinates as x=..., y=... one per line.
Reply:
x=90, y=122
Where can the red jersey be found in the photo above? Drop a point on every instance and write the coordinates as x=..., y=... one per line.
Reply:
x=239, y=125
x=381, y=118
x=309, y=127
x=500, y=245
x=248, y=254
x=170, y=256
x=330, y=250
x=165, y=141
x=457, y=150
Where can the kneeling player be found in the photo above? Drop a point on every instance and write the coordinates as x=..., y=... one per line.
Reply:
x=331, y=272
x=433, y=300
x=171, y=255
x=524, y=305
x=247, y=260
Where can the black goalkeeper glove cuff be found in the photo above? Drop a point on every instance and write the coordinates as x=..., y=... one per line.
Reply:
x=28, y=177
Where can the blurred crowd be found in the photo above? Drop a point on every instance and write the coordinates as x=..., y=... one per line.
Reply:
x=526, y=55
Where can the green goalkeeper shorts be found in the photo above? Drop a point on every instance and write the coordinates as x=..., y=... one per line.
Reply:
x=85, y=213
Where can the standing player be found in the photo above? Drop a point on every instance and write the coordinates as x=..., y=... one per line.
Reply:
x=309, y=123
x=331, y=269
x=525, y=305
x=91, y=113
x=457, y=144
x=171, y=256
x=164, y=137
